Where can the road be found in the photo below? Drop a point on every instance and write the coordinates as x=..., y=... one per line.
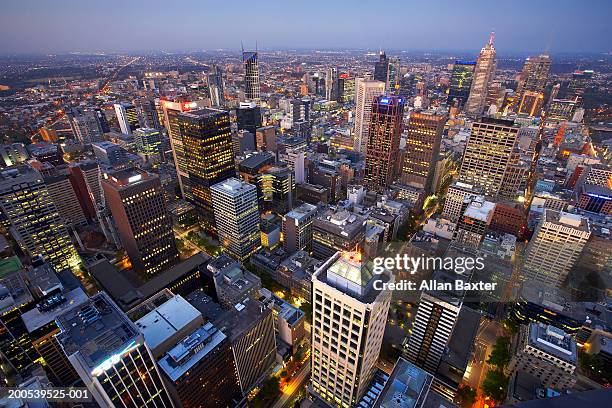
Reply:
x=291, y=389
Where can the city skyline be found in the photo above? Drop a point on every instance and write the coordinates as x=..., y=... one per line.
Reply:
x=32, y=27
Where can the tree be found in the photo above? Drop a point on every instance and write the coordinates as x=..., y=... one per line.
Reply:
x=495, y=385
x=467, y=394
x=500, y=355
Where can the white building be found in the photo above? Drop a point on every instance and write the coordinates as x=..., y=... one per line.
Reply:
x=365, y=92
x=349, y=318
x=236, y=217
x=555, y=247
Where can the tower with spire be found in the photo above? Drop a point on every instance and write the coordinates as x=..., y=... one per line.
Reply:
x=483, y=75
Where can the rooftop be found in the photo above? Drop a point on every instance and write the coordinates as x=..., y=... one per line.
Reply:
x=167, y=320
x=407, y=386
x=552, y=340
x=480, y=210
x=567, y=219
x=45, y=312
x=347, y=272
x=232, y=187
x=178, y=360
x=301, y=211
x=96, y=330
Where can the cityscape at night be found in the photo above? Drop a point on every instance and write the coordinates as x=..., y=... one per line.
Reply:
x=309, y=204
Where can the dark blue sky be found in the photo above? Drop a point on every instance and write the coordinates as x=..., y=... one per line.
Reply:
x=48, y=26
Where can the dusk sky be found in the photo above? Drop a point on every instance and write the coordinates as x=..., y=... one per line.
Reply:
x=29, y=26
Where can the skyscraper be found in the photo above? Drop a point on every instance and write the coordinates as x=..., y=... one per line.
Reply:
x=248, y=117
x=393, y=76
x=172, y=110
x=252, y=89
x=209, y=158
x=422, y=148
x=382, y=152
x=557, y=242
x=461, y=83
x=434, y=323
x=237, y=217
x=381, y=68
x=85, y=125
x=349, y=318
x=147, y=113
x=534, y=76
x=136, y=201
x=297, y=228
x=365, y=92
x=483, y=74
x=34, y=219
x=110, y=355
x=148, y=142
x=216, y=88
x=127, y=117
x=488, y=153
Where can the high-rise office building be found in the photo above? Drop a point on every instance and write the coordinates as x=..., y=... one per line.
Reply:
x=484, y=72
x=252, y=88
x=85, y=125
x=171, y=111
x=422, y=149
x=208, y=153
x=194, y=356
x=64, y=197
x=276, y=188
x=434, y=323
x=393, y=76
x=35, y=222
x=237, y=217
x=381, y=68
x=110, y=355
x=534, y=76
x=127, y=116
x=487, y=154
x=248, y=117
x=216, y=88
x=384, y=132
x=300, y=110
x=297, y=228
x=136, y=201
x=148, y=142
x=147, y=113
x=365, y=92
x=556, y=245
x=349, y=319
x=338, y=230
x=548, y=353
x=460, y=83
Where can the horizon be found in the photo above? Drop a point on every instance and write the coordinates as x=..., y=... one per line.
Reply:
x=32, y=27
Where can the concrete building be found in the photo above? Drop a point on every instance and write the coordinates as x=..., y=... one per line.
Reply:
x=557, y=242
x=488, y=153
x=135, y=199
x=34, y=219
x=233, y=283
x=547, y=353
x=297, y=228
x=337, y=230
x=349, y=318
x=110, y=355
x=237, y=217
x=365, y=92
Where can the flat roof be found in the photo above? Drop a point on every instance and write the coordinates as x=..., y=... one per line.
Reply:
x=553, y=341
x=35, y=318
x=178, y=360
x=166, y=320
x=96, y=330
x=407, y=386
